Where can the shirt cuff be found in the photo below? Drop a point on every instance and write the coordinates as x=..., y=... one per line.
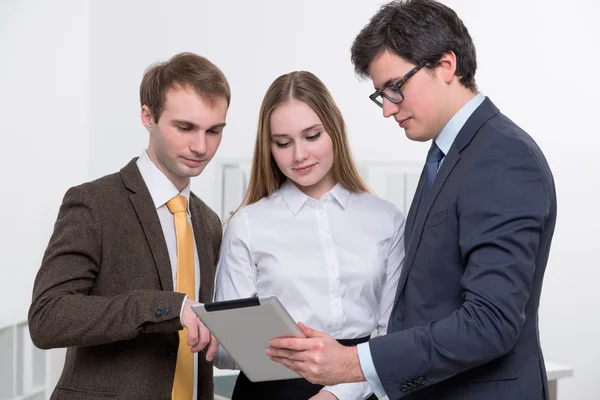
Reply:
x=350, y=391
x=368, y=369
x=181, y=312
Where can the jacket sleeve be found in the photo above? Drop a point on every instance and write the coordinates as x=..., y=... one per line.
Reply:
x=64, y=314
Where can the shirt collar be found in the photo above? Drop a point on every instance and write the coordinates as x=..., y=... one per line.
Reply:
x=341, y=194
x=294, y=198
x=160, y=187
x=450, y=131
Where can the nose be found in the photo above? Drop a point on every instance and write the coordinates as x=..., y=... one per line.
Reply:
x=198, y=143
x=389, y=108
x=300, y=153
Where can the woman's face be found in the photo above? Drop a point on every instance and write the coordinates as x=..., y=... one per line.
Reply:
x=301, y=148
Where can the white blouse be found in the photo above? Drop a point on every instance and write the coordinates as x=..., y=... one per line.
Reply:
x=334, y=263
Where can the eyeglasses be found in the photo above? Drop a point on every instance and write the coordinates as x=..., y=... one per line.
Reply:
x=392, y=92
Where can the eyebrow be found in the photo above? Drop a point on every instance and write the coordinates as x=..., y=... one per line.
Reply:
x=195, y=126
x=389, y=82
x=217, y=126
x=310, y=128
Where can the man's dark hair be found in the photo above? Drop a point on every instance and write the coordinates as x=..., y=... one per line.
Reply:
x=417, y=30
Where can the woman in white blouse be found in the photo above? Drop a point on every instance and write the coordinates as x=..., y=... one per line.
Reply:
x=310, y=233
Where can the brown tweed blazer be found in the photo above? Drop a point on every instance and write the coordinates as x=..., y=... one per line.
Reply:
x=105, y=291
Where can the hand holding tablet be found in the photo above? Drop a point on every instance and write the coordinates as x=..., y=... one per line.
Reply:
x=244, y=327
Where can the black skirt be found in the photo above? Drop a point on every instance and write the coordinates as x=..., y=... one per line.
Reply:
x=288, y=389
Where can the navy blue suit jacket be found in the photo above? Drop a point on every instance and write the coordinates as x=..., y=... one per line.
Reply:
x=465, y=321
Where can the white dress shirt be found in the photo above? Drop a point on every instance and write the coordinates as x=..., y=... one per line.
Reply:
x=444, y=141
x=162, y=190
x=334, y=263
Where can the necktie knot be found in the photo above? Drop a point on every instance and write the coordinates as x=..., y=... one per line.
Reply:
x=177, y=204
x=434, y=154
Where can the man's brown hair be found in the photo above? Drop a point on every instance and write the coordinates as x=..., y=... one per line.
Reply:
x=182, y=71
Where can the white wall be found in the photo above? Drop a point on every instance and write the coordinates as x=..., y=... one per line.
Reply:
x=536, y=58
x=44, y=133
x=252, y=42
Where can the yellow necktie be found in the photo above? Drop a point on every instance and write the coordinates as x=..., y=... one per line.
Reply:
x=183, y=384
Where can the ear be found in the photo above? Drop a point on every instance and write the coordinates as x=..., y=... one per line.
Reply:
x=448, y=66
x=147, y=119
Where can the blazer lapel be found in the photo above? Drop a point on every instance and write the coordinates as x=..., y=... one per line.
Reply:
x=414, y=236
x=144, y=207
x=207, y=274
x=420, y=210
x=414, y=207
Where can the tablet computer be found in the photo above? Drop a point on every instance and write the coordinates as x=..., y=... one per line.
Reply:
x=244, y=327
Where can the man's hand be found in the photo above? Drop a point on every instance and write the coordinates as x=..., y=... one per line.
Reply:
x=324, y=395
x=198, y=335
x=319, y=358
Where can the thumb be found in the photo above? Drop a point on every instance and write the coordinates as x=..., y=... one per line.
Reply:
x=310, y=332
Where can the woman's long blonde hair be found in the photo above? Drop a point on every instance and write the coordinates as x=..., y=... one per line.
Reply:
x=265, y=176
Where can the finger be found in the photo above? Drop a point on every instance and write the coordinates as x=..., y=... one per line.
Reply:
x=192, y=328
x=203, y=338
x=212, y=348
x=298, y=367
x=294, y=344
x=293, y=365
x=288, y=354
x=310, y=332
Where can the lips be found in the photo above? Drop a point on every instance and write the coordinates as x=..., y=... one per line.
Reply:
x=403, y=122
x=304, y=169
x=192, y=160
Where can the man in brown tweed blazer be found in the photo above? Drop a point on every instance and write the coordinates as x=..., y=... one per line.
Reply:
x=105, y=288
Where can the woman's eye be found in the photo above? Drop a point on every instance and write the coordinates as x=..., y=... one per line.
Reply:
x=313, y=137
x=282, y=145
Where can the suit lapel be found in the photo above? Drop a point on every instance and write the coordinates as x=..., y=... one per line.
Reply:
x=447, y=166
x=421, y=211
x=144, y=207
x=414, y=206
x=201, y=236
x=418, y=213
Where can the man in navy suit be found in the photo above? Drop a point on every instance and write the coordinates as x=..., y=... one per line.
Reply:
x=478, y=234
